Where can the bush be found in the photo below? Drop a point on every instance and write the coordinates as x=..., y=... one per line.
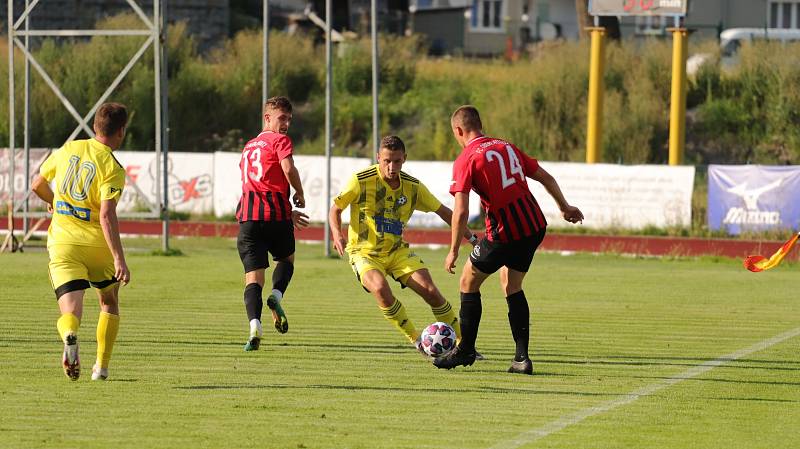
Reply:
x=748, y=114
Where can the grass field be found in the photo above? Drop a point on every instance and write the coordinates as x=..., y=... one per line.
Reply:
x=628, y=353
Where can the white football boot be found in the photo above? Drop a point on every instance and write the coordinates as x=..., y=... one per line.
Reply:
x=254, y=342
x=99, y=373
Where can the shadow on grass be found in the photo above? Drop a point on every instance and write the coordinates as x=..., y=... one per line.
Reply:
x=664, y=361
x=750, y=399
x=359, y=348
x=713, y=379
x=486, y=389
x=688, y=359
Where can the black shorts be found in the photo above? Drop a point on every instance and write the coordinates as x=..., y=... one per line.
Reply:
x=489, y=257
x=256, y=238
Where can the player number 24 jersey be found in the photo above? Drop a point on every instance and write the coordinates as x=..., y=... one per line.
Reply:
x=497, y=171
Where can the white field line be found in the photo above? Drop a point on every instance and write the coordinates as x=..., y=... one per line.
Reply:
x=567, y=420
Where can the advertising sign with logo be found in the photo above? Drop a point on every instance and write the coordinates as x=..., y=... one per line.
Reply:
x=753, y=197
x=637, y=7
x=190, y=181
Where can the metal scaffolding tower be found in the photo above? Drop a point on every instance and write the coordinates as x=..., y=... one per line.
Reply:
x=19, y=34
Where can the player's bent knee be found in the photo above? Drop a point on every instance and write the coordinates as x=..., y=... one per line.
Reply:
x=287, y=259
x=433, y=295
x=255, y=277
x=380, y=289
x=382, y=293
x=469, y=284
x=109, y=298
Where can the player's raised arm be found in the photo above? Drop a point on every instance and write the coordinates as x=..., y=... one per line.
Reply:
x=293, y=176
x=570, y=213
x=110, y=225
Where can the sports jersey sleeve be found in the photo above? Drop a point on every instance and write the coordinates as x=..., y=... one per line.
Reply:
x=530, y=164
x=48, y=167
x=348, y=194
x=283, y=147
x=426, y=202
x=113, y=182
x=462, y=176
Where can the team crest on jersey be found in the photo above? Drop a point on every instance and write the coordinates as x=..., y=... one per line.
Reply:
x=401, y=201
x=476, y=251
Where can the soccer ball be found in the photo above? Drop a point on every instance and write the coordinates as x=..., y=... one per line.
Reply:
x=438, y=339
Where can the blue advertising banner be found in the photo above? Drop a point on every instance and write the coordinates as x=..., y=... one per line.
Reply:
x=753, y=197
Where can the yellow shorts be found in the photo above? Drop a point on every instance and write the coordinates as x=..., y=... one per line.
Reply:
x=399, y=264
x=74, y=267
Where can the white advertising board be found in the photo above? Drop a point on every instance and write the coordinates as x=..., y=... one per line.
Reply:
x=190, y=177
x=37, y=156
x=312, y=173
x=436, y=176
x=631, y=197
x=623, y=196
x=637, y=7
x=312, y=169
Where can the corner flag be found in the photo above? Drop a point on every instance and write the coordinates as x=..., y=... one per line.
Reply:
x=761, y=263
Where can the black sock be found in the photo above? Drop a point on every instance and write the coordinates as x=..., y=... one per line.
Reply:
x=282, y=275
x=519, y=320
x=470, y=315
x=253, y=302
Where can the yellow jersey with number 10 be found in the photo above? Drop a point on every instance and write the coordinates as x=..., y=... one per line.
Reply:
x=82, y=173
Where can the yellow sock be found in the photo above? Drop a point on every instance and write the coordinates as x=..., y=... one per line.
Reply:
x=396, y=313
x=68, y=323
x=107, y=328
x=446, y=314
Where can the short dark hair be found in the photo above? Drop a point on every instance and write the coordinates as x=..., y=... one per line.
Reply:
x=110, y=118
x=467, y=118
x=280, y=103
x=393, y=143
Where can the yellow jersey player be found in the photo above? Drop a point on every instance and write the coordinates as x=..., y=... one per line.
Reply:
x=83, y=239
x=381, y=200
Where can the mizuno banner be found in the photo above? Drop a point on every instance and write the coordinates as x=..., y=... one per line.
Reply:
x=753, y=197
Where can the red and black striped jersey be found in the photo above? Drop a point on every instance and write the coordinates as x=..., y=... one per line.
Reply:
x=497, y=170
x=265, y=189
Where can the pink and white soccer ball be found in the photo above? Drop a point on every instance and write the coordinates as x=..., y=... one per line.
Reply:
x=438, y=339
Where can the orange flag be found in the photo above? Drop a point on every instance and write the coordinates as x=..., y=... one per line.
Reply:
x=761, y=263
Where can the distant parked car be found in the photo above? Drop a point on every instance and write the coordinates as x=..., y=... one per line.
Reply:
x=732, y=39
